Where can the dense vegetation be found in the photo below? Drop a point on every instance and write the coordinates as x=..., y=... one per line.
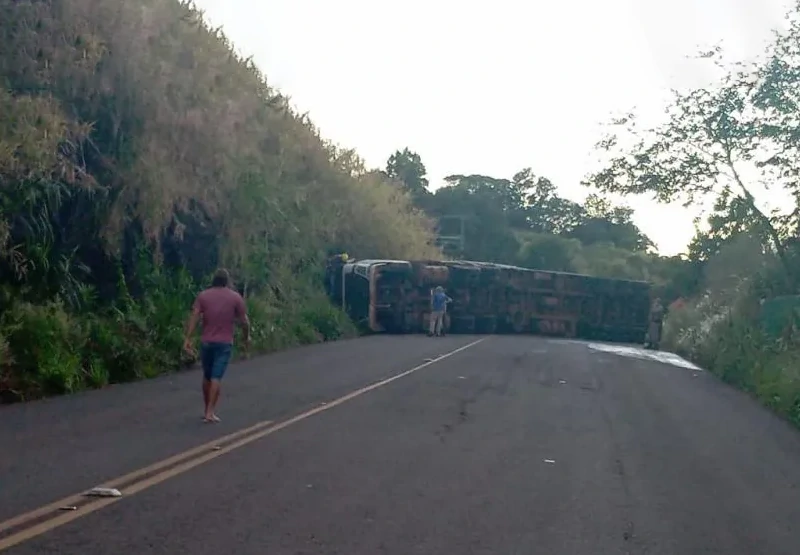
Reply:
x=523, y=220
x=138, y=153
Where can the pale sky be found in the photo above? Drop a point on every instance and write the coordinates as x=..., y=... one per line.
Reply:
x=492, y=87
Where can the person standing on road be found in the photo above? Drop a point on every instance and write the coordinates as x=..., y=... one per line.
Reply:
x=653, y=339
x=438, y=308
x=220, y=308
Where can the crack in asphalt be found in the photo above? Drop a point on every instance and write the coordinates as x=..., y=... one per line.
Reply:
x=463, y=404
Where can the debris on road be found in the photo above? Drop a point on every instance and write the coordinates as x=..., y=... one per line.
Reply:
x=216, y=448
x=70, y=508
x=562, y=382
x=429, y=359
x=462, y=378
x=636, y=352
x=550, y=461
x=103, y=492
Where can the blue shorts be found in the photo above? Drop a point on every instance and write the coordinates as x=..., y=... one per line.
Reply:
x=215, y=358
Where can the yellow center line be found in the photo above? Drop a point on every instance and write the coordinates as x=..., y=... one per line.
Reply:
x=257, y=431
x=73, y=499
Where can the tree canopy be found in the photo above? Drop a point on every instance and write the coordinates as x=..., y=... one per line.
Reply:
x=407, y=168
x=523, y=220
x=732, y=145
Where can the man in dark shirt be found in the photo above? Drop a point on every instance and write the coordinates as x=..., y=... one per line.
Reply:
x=653, y=339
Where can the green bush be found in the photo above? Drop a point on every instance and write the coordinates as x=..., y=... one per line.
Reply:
x=46, y=345
x=46, y=350
x=725, y=332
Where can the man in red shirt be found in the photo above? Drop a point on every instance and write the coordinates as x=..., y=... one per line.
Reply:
x=220, y=307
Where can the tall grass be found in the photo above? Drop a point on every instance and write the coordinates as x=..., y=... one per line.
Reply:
x=138, y=152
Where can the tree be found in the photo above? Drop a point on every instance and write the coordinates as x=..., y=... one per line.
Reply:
x=544, y=251
x=503, y=214
x=547, y=212
x=729, y=220
x=407, y=167
x=506, y=196
x=699, y=153
x=602, y=222
x=776, y=96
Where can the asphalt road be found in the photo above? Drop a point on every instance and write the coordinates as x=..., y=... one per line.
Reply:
x=515, y=445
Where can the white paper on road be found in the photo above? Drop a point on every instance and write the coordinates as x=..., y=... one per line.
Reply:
x=104, y=492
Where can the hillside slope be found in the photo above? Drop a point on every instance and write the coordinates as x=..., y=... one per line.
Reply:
x=137, y=153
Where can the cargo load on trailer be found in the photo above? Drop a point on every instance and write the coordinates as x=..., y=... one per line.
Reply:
x=394, y=296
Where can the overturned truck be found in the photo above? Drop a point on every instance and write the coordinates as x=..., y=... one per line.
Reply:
x=394, y=296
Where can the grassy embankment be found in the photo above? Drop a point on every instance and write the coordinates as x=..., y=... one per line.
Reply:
x=137, y=153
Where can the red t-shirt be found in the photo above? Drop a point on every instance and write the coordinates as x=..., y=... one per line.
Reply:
x=220, y=307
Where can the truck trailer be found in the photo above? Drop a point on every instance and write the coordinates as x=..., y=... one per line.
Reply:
x=394, y=296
